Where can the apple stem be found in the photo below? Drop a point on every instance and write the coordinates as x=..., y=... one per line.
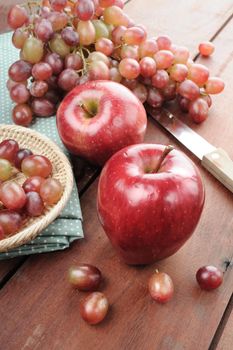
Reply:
x=87, y=111
x=166, y=151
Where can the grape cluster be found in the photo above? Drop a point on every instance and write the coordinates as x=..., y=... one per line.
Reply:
x=29, y=200
x=66, y=43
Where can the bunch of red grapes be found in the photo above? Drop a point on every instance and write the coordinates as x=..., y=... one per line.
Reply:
x=65, y=43
x=18, y=203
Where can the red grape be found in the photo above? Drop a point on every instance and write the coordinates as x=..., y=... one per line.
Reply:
x=114, y=75
x=184, y=103
x=98, y=71
x=20, y=156
x=22, y=115
x=58, y=5
x=209, y=277
x=42, y=71
x=68, y=79
x=85, y=277
x=10, y=221
x=164, y=59
x=160, y=79
x=58, y=45
x=38, y=88
x=20, y=71
x=179, y=72
x=34, y=204
x=10, y=83
x=52, y=82
x=189, y=89
x=73, y=61
x=134, y=36
x=214, y=85
x=198, y=110
x=12, y=195
x=198, y=73
x=33, y=183
x=58, y=20
x=19, y=93
x=181, y=54
x=147, y=67
x=164, y=42
x=42, y=107
x=169, y=91
x=69, y=36
x=105, y=46
x=129, y=51
x=141, y=92
x=106, y=3
x=52, y=96
x=129, y=68
x=86, y=32
x=154, y=98
x=208, y=99
x=118, y=34
x=94, y=308
x=98, y=56
x=84, y=10
x=33, y=50
x=55, y=62
x=115, y=16
x=206, y=48
x=44, y=30
x=17, y=17
x=36, y=165
x=19, y=37
x=51, y=191
x=148, y=48
x=161, y=287
x=6, y=169
x=8, y=149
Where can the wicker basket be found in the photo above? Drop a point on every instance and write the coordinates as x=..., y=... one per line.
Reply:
x=62, y=171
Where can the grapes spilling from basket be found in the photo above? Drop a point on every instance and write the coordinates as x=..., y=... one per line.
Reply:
x=66, y=43
x=20, y=202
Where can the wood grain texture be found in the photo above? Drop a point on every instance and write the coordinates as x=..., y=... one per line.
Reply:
x=186, y=22
x=226, y=340
x=47, y=315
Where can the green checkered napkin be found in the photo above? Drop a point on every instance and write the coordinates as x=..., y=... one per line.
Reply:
x=68, y=226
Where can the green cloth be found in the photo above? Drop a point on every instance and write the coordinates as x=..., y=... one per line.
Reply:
x=68, y=226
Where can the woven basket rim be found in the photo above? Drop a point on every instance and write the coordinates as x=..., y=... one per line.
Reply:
x=30, y=232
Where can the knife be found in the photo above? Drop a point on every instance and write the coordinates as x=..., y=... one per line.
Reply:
x=213, y=159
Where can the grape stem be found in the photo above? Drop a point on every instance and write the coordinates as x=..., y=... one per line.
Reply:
x=84, y=70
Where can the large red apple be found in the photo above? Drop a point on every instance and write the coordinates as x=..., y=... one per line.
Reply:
x=98, y=118
x=150, y=198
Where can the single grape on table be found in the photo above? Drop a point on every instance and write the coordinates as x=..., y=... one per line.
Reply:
x=66, y=43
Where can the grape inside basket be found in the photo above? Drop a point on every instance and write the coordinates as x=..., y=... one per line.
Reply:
x=62, y=171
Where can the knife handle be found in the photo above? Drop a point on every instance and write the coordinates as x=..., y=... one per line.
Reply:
x=220, y=165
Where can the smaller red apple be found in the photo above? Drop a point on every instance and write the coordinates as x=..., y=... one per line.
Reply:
x=98, y=118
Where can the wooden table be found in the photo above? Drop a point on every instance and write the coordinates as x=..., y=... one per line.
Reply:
x=38, y=308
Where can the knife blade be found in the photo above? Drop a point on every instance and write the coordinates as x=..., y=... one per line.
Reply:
x=213, y=159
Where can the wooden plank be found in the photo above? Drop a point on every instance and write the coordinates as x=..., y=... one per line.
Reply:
x=226, y=340
x=186, y=22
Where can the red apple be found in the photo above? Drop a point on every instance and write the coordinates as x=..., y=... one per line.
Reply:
x=98, y=118
x=150, y=198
